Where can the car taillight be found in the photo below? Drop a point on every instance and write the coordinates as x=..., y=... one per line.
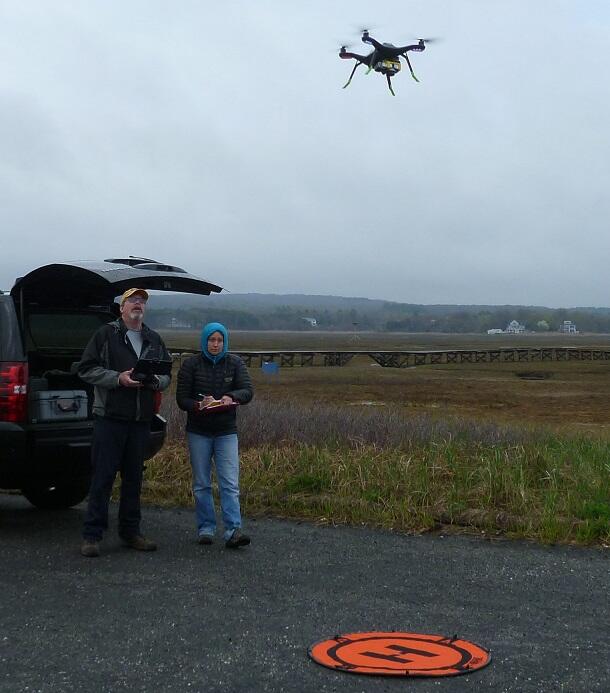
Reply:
x=13, y=391
x=156, y=401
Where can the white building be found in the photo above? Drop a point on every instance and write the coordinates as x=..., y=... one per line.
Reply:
x=177, y=324
x=495, y=330
x=515, y=327
x=312, y=321
x=568, y=327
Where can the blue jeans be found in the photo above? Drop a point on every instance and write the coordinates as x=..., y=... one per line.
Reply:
x=224, y=450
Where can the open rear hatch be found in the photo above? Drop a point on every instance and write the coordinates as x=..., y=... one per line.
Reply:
x=61, y=305
x=98, y=283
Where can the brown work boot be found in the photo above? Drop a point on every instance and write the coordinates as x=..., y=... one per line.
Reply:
x=139, y=543
x=90, y=549
x=237, y=539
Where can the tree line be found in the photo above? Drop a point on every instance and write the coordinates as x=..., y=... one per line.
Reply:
x=389, y=317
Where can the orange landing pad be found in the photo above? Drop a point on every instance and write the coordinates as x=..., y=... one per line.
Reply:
x=400, y=654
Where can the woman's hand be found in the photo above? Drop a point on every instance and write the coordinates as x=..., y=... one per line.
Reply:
x=208, y=399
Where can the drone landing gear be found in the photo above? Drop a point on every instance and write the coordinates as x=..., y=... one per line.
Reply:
x=390, y=84
x=406, y=57
x=351, y=75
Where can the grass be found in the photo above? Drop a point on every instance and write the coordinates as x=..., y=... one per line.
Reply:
x=409, y=473
x=569, y=396
x=477, y=447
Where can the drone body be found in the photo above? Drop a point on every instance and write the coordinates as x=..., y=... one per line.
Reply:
x=385, y=58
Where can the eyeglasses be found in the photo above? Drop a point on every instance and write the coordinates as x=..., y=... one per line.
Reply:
x=136, y=299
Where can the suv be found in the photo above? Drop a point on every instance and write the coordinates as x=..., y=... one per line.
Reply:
x=45, y=323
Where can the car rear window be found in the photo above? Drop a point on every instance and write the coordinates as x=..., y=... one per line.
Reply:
x=64, y=330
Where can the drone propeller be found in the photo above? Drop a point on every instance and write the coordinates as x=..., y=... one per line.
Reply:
x=362, y=29
x=340, y=46
x=434, y=39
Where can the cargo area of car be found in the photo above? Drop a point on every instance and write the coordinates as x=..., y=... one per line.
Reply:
x=46, y=453
x=55, y=340
x=53, y=378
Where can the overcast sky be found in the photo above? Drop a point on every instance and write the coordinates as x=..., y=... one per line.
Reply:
x=216, y=136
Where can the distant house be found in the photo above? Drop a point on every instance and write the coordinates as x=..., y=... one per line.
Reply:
x=495, y=330
x=568, y=327
x=515, y=327
x=177, y=324
x=312, y=321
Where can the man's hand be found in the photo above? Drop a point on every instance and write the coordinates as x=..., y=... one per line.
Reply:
x=126, y=381
x=225, y=399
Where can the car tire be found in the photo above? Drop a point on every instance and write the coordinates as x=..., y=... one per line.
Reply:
x=57, y=496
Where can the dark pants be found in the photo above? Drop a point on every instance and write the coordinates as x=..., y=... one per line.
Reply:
x=118, y=446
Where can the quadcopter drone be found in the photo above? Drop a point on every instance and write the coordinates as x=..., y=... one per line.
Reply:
x=384, y=59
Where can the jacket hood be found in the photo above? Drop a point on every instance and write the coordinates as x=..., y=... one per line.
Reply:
x=209, y=329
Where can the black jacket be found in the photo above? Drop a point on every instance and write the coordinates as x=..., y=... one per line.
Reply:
x=108, y=354
x=198, y=377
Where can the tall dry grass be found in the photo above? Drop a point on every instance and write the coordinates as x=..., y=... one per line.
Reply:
x=273, y=422
x=409, y=473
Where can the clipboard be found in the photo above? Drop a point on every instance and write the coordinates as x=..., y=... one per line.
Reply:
x=217, y=408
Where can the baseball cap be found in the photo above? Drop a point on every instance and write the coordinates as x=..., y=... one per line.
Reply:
x=131, y=292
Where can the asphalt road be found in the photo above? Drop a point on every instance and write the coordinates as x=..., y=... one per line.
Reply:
x=191, y=618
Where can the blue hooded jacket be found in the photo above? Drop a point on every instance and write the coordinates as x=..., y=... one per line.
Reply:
x=209, y=329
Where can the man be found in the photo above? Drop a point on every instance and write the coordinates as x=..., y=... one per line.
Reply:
x=123, y=408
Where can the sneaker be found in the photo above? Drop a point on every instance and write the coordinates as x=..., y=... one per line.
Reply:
x=90, y=549
x=237, y=539
x=139, y=543
x=205, y=539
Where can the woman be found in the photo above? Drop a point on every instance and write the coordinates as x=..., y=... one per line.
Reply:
x=210, y=386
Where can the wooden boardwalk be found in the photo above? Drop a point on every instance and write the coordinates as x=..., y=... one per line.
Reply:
x=406, y=359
